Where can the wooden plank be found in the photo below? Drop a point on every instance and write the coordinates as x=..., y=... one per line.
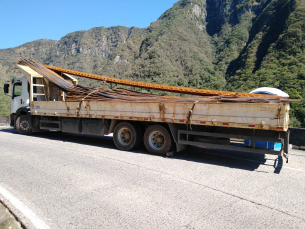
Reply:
x=29, y=71
x=242, y=115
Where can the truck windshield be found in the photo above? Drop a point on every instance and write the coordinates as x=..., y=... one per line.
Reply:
x=17, y=89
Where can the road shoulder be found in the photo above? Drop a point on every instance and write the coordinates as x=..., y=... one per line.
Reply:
x=7, y=220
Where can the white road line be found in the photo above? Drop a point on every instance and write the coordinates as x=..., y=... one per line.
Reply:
x=38, y=223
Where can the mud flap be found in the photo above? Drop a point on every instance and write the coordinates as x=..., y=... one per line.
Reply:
x=286, y=145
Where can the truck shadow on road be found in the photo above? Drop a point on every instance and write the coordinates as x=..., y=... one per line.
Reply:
x=90, y=140
x=227, y=158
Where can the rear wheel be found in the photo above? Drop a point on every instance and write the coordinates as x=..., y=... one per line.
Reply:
x=157, y=140
x=23, y=125
x=127, y=136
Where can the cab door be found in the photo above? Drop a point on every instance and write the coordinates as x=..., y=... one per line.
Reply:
x=20, y=94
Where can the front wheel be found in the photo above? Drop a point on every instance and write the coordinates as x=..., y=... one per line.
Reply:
x=23, y=125
x=127, y=136
x=157, y=140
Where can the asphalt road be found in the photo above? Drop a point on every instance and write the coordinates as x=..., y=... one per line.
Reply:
x=74, y=181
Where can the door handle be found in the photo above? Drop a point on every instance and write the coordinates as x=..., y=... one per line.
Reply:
x=21, y=101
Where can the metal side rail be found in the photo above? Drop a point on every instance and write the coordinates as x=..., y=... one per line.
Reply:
x=185, y=135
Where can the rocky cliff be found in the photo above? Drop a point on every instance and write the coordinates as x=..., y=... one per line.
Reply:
x=216, y=44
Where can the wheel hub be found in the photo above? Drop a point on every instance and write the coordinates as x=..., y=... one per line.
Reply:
x=160, y=139
x=24, y=125
x=127, y=136
x=124, y=136
x=156, y=140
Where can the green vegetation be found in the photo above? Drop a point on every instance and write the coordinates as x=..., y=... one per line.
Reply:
x=275, y=55
x=4, y=101
x=222, y=45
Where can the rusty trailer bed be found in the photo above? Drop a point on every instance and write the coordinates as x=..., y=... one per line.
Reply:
x=265, y=116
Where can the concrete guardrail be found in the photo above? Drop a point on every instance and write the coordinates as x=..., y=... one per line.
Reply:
x=4, y=120
x=297, y=138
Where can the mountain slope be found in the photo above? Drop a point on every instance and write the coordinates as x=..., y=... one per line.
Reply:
x=235, y=45
x=275, y=56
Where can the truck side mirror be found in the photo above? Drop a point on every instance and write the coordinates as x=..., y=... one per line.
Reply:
x=6, y=88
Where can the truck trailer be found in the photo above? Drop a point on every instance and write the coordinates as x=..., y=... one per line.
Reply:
x=50, y=99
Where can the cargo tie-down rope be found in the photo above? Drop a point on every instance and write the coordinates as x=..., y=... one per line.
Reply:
x=78, y=93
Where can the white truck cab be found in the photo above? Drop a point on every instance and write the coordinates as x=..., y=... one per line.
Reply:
x=20, y=102
x=20, y=94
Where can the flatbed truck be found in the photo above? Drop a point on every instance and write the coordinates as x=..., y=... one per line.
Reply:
x=163, y=127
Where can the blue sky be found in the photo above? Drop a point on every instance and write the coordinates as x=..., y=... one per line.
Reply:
x=25, y=21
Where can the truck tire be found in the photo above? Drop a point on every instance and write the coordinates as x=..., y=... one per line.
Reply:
x=127, y=136
x=23, y=125
x=157, y=140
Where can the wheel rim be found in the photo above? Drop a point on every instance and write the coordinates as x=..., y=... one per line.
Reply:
x=24, y=125
x=156, y=140
x=124, y=136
